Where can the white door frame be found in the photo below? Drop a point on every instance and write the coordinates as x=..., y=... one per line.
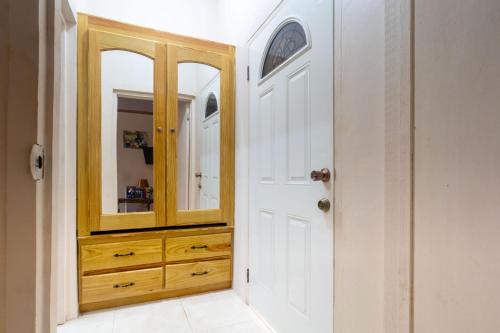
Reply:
x=64, y=295
x=189, y=99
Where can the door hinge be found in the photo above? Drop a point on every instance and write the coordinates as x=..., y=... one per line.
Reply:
x=248, y=73
x=248, y=275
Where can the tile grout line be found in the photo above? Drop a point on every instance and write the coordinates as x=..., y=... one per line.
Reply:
x=114, y=321
x=185, y=314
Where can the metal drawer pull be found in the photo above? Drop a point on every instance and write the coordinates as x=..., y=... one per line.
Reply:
x=194, y=247
x=198, y=274
x=124, y=285
x=123, y=254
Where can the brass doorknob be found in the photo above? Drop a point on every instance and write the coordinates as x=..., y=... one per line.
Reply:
x=323, y=175
x=324, y=205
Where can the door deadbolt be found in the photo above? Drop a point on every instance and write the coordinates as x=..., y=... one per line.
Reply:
x=321, y=175
x=324, y=205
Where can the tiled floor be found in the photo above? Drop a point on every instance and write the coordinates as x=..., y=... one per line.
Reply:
x=219, y=312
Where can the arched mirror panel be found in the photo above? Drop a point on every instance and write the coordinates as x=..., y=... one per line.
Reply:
x=127, y=122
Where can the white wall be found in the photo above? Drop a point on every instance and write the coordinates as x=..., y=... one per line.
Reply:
x=457, y=178
x=359, y=153
x=197, y=18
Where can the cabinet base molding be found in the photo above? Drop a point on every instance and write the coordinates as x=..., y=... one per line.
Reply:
x=154, y=296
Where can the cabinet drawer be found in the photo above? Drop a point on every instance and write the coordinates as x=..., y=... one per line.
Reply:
x=123, y=254
x=105, y=287
x=197, y=247
x=181, y=276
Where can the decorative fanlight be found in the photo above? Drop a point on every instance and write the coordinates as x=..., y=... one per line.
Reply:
x=212, y=105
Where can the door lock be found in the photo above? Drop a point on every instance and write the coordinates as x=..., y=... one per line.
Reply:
x=37, y=159
x=324, y=205
x=321, y=175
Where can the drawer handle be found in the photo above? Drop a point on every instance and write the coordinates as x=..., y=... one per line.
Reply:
x=124, y=285
x=196, y=247
x=116, y=255
x=198, y=274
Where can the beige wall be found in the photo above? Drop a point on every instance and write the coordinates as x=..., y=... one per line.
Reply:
x=373, y=164
x=359, y=162
x=457, y=166
x=21, y=134
x=27, y=237
x=4, y=35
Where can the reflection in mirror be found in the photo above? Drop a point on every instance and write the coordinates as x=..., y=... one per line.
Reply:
x=198, y=137
x=126, y=132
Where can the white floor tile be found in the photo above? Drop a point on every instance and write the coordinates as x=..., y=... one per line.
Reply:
x=250, y=327
x=158, y=317
x=216, y=310
x=98, y=322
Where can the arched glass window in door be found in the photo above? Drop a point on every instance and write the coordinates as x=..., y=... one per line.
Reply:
x=287, y=41
x=212, y=106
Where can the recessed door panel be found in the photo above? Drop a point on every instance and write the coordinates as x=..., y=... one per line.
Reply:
x=298, y=127
x=298, y=263
x=266, y=248
x=266, y=136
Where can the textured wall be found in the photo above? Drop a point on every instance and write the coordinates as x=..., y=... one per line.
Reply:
x=457, y=179
x=23, y=234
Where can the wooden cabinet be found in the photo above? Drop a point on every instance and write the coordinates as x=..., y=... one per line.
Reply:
x=122, y=143
x=197, y=247
x=123, y=254
x=155, y=166
x=132, y=267
x=104, y=287
x=197, y=274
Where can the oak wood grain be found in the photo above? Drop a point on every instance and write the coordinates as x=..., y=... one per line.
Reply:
x=112, y=255
x=197, y=247
x=116, y=285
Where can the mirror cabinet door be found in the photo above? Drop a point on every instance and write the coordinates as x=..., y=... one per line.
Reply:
x=200, y=116
x=128, y=143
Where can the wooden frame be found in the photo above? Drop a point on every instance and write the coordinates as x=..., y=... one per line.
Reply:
x=99, y=42
x=96, y=35
x=225, y=64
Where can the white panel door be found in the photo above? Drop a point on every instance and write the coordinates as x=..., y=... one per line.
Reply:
x=291, y=134
x=210, y=162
